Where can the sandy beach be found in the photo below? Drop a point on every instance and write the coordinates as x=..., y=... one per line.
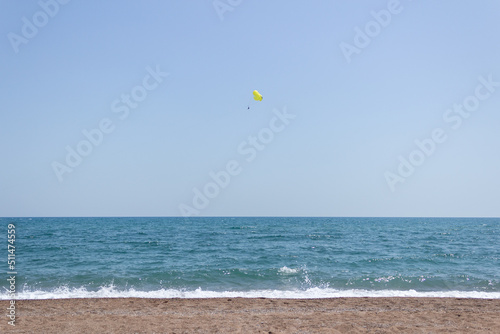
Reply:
x=261, y=315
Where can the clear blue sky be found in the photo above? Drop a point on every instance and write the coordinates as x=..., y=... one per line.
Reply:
x=357, y=87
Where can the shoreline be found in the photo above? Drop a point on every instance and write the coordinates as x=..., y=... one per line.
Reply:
x=255, y=315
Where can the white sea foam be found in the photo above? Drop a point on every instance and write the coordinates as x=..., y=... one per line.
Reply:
x=286, y=270
x=112, y=292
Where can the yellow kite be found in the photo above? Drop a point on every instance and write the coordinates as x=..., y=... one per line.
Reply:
x=257, y=96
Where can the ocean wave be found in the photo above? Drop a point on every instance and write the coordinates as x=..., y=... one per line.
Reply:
x=286, y=270
x=311, y=293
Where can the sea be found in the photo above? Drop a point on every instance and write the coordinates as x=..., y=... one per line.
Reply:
x=270, y=257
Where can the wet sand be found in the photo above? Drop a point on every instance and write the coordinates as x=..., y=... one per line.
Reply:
x=261, y=315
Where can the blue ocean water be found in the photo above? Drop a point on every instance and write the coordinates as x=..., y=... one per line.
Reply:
x=253, y=257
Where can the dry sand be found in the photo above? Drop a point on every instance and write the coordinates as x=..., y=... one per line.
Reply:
x=242, y=315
